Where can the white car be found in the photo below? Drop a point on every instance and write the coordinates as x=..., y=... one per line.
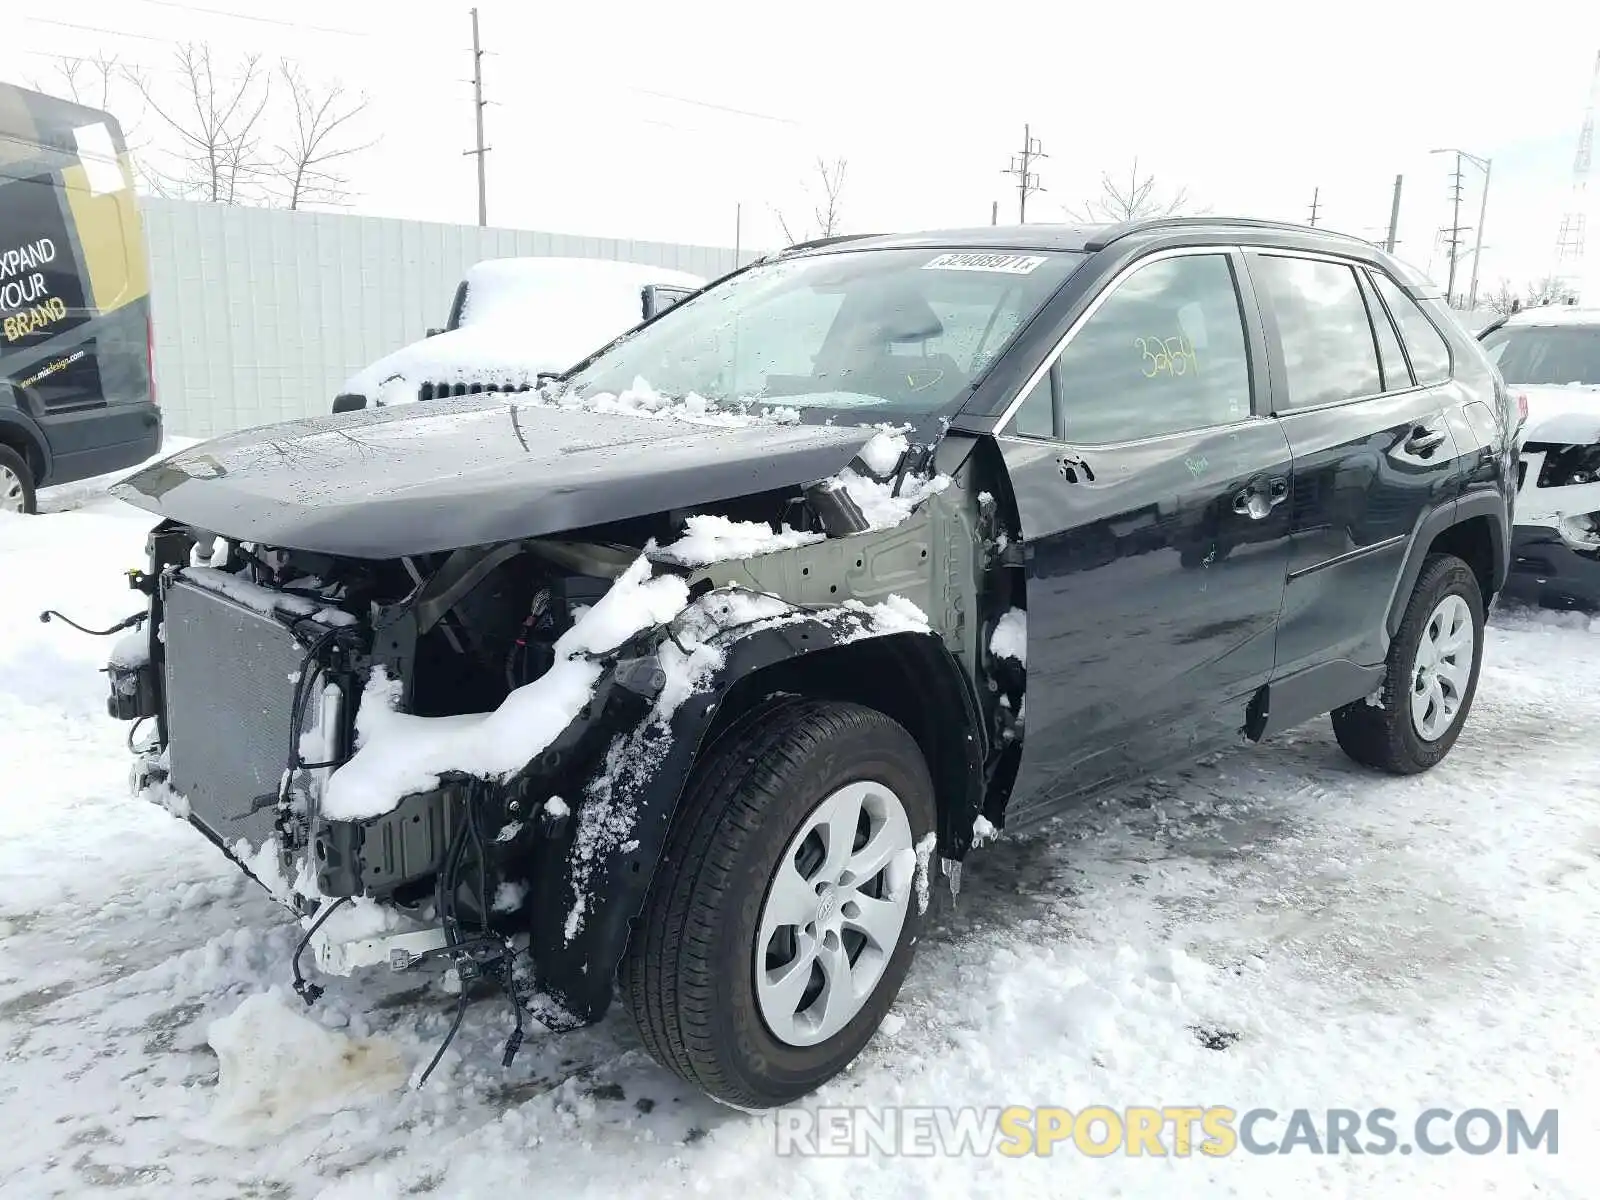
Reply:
x=514, y=319
x=1550, y=358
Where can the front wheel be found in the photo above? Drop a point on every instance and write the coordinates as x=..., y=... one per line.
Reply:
x=1431, y=676
x=781, y=922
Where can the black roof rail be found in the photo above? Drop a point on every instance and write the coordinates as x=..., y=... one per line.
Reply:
x=1122, y=229
x=814, y=243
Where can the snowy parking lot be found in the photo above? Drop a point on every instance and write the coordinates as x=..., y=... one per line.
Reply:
x=1273, y=928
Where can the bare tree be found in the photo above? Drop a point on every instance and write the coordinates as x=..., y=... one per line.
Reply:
x=831, y=181
x=824, y=194
x=88, y=81
x=1548, y=290
x=1503, y=299
x=317, y=140
x=1130, y=200
x=217, y=122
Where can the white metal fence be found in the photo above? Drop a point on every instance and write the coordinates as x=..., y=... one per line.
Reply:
x=260, y=314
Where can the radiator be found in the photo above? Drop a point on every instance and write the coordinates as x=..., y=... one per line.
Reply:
x=229, y=683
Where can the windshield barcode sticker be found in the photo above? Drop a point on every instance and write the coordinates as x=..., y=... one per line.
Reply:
x=1005, y=264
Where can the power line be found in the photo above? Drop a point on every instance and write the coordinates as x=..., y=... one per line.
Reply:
x=143, y=37
x=740, y=112
x=238, y=16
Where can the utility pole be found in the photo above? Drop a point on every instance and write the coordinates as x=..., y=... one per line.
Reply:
x=1027, y=180
x=1394, y=215
x=1456, y=227
x=1316, y=194
x=994, y=213
x=1477, y=247
x=738, y=232
x=1453, y=242
x=477, y=113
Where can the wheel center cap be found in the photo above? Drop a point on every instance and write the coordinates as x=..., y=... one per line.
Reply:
x=827, y=905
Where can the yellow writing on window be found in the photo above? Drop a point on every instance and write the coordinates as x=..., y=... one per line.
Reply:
x=1166, y=356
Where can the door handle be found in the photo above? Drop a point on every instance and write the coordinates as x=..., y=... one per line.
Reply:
x=1260, y=497
x=1424, y=440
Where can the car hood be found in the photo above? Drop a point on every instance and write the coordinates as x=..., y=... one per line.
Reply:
x=382, y=483
x=1569, y=415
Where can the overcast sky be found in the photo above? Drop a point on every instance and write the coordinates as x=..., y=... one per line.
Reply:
x=658, y=120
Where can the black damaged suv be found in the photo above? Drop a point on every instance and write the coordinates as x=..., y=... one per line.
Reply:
x=674, y=677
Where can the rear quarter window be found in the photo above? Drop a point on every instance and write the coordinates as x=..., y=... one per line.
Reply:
x=1430, y=353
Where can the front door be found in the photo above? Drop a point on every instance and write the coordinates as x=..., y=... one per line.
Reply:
x=1153, y=500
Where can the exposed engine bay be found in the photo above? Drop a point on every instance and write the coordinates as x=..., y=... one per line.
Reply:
x=262, y=660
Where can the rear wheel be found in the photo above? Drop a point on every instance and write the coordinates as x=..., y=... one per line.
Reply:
x=16, y=483
x=1431, y=676
x=781, y=921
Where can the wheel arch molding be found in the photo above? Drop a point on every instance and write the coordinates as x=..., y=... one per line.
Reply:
x=587, y=889
x=1474, y=529
x=22, y=433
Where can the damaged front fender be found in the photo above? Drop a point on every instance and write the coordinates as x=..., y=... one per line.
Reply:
x=588, y=886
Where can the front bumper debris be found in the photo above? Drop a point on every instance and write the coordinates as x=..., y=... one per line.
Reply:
x=1546, y=570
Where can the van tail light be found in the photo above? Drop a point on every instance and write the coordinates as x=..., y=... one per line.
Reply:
x=150, y=356
x=1522, y=410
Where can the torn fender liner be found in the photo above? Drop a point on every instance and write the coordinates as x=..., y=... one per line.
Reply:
x=382, y=483
x=575, y=961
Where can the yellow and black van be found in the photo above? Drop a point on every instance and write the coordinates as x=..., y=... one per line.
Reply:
x=76, y=383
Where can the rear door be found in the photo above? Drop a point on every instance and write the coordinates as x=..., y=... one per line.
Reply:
x=1153, y=503
x=1372, y=449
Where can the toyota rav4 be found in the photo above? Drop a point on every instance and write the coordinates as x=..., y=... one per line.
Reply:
x=675, y=679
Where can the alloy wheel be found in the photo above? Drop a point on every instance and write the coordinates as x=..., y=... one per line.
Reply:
x=834, y=911
x=1442, y=668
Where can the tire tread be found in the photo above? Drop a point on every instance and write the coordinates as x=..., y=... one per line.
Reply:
x=667, y=973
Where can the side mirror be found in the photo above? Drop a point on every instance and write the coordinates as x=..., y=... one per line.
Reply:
x=658, y=298
x=349, y=402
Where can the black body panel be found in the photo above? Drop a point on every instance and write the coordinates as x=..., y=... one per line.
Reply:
x=383, y=483
x=1153, y=601
x=1360, y=492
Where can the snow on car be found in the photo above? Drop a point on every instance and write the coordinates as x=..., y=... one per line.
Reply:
x=790, y=596
x=1550, y=357
x=514, y=319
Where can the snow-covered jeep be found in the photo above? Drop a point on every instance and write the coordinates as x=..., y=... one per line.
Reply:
x=680, y=676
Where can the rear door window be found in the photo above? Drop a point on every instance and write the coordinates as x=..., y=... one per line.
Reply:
x=1430, y=353
x=1328, y=350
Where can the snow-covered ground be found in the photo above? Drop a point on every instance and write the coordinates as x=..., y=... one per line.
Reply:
x=1369, y=941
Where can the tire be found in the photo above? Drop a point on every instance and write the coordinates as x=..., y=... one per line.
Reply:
x=16, y=483
x=690, y=973
x=1390, y=736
